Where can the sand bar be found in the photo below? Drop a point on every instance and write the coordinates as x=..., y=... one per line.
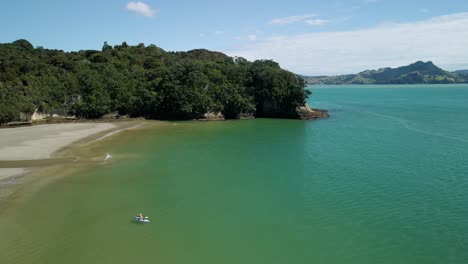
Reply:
x=40, y=142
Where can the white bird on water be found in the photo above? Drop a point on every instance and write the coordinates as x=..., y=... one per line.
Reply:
x=108, y=156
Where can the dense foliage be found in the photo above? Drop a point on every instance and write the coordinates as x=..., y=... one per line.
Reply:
x=416, y=73
x=142, y=81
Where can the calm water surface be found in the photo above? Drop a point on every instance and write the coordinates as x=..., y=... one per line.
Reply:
x=384, y=180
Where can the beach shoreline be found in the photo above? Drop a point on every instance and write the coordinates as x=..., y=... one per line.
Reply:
x=23, y=148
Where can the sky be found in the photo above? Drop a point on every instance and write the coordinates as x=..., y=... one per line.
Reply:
x=308, y=37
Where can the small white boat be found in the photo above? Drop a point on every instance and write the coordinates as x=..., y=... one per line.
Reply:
x=141, y=219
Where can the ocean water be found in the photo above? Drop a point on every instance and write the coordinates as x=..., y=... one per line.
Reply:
x=384, y=180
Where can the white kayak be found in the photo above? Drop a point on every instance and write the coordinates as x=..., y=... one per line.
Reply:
x=141, y=219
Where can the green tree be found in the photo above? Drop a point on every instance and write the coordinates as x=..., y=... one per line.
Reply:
x=143, y=81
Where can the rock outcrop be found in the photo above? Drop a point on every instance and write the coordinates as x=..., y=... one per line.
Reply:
x=307, y=113
x=213, y=116
x=243, y=116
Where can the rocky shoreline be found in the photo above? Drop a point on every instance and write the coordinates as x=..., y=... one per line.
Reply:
x=303, y=113
x=307, y=113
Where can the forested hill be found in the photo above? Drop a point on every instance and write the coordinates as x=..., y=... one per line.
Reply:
x=416, y=73
x=143, y=81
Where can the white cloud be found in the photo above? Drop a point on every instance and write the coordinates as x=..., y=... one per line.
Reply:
x=219, y=32
x=290, y=19
x=252, y=37
x=441, y=39
x=141, y=9
x=317, y=22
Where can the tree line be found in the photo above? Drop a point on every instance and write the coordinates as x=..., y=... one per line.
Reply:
x=142, y=81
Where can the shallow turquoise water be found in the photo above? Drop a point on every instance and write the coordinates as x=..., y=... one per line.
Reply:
x=384, y=180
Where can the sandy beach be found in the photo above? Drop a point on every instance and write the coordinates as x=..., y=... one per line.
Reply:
x=40, y=142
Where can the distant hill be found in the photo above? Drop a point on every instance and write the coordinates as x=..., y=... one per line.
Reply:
x=416, y=73
x=461, y=72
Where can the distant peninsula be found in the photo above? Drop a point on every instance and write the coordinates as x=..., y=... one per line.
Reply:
x=416, y=73
x=144, y=81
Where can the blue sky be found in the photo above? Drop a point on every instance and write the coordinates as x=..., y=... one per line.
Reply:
x=305, y=36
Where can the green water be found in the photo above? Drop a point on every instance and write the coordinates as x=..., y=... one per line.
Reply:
x=384, y=180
